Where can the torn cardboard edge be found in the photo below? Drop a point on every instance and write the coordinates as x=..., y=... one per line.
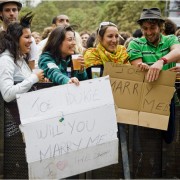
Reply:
x=144, y=119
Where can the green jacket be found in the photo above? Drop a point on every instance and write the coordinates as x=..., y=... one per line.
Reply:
x=57, y=73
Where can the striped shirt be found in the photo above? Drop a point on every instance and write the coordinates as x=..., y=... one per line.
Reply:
x=141, y=48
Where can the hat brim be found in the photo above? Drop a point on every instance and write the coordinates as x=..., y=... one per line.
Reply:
x=150, y=18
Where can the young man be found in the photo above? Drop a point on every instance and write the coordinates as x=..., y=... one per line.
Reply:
x=84, y=36
x=9, y=11
x=155, y=52
x=60, y=20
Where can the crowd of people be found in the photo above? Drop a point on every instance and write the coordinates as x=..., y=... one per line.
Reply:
x=52, y=51
x=153, y=47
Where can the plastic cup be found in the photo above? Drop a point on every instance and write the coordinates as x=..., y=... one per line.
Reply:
x=75, y=61
x=95, y=72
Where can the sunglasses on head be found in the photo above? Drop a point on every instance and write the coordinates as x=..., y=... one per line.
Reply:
x=105, y=24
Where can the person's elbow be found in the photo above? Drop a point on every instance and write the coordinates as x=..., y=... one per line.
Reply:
x=8, y=98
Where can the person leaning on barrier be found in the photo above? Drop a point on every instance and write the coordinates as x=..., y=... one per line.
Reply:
x=56, y=57
x=14, y=50
x=108, y=48
x=155, y=52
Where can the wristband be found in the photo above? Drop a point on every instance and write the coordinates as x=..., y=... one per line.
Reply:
x=165, y=61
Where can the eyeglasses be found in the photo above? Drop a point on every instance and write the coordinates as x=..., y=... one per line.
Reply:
x=105, y=24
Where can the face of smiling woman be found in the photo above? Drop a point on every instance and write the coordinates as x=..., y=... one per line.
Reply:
x=25, y=41
x=110, y=39
x=68, y=46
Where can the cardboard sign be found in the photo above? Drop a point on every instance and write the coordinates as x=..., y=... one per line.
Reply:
x=67, y=121
x=138, y=101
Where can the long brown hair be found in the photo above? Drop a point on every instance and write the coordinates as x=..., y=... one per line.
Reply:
x=55, y=39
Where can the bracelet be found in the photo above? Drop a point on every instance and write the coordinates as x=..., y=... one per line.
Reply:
x=165, y=61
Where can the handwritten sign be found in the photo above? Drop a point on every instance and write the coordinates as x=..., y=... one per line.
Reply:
x=140, y=102
x=65, y=120
x=51, y=138
x=51, y=102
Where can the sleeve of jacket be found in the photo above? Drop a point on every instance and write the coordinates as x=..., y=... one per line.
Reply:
x=7, y=87
x=81, y=75
x=51, y=70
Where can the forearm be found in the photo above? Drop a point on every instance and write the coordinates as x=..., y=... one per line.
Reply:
x=9, y=90
x=56, y=76
x=136, y=61
x=174, y=54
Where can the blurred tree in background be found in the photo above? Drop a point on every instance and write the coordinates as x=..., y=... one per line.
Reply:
x=88, y=14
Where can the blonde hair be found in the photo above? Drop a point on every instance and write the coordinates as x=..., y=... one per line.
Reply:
x=79, y=47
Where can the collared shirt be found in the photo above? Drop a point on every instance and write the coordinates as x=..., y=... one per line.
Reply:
x=141, y=48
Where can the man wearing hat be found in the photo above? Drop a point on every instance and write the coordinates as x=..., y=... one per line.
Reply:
x=9, y=11
x=155, y=52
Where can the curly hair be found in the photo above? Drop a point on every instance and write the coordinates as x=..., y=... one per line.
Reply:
x=169, y=27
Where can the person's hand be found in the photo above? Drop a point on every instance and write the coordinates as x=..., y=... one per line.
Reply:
x=175, y=69
x=81, y=60
x=40, y=75
x=154, y=70
x=143, y=66
x=46, y=80
x=74, y=80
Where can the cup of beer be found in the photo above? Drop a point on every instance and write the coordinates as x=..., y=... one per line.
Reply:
x=75, y=61
x=95, y=71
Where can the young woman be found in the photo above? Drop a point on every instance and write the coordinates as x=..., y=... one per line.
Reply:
x=108, y=48
x=14, y=48
x=56, y=59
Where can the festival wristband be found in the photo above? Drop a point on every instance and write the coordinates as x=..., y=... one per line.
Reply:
x=165, y=61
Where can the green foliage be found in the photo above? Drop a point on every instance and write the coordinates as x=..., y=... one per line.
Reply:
x=88, y=14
